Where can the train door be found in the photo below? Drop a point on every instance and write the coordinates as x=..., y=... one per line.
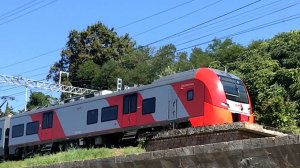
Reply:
x=6, y=142
x=172, y=113
x=47, y=123
x=129, y=110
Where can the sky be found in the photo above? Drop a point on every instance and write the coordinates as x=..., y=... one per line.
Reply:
x=33, y=32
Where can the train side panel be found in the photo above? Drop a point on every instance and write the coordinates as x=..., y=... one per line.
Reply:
x=2, y=136
x=17, y=134
x=74, y=119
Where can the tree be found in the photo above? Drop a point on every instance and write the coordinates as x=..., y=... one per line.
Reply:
x=1, y=113
x=97, y=44
x=137, y=67
x=225, y=51
x=163, y=61
x=8, y=110
x=284, y=47
x=38, y=99
x=183, y=64
x=198, y=58
x=274, y=90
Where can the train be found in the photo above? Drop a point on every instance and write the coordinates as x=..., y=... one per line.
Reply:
x=193, y=98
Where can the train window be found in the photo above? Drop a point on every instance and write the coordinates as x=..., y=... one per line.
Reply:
x=190, y=95
x=92, y=117
x=47, y=120
x=0, y=133
x=234, y=90
x=149, y=106
x=109, y=113
x=129, y=103
x=17, y=131
x=32, y=128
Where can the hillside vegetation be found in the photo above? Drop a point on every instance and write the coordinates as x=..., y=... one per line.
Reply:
x=71, y=155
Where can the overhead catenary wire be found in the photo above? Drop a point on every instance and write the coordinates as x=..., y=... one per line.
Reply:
x=239, y=24
x=203, y=23
x=279, y=21
x=155, y=14
x=19, y=9
x=30, y=59
x=35, y=69
x=31, y=11
x=222, y=23
x=178, y=18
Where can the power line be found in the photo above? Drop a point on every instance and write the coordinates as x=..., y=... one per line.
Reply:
x=17, y=8
x=19, y=106
x=218, y=17
x=32, y=70
x=234, y=26
x=16, y=11
x=166, y=23
x=155, y=14
x=51, y=2
x=239, y=16
x=282, y=20
x=38, y=75
x=29, y=59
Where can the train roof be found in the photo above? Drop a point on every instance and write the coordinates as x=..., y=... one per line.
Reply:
x=225, y=74
x=159, y=82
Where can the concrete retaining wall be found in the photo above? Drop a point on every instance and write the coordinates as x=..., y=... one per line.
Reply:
x=272, y=152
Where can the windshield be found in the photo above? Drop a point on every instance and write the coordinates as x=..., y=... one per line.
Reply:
x=234, y=90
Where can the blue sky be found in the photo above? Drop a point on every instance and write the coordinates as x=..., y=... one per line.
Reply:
x=42, y=26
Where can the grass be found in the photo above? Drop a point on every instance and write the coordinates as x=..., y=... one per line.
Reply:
x=72, y=155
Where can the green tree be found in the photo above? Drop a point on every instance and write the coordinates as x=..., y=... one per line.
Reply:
x=1, y=113
x=182, y=63
x=274, y=90
x=284, y=47
x=227, y=52
x=8, y=110
x=199, y=58
x=98, y=44
x=163, y=61
x=38, y=99
x=137, y=67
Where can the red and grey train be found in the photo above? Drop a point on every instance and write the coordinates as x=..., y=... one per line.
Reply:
x=197, y=97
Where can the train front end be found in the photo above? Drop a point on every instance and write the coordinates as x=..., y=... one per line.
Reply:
x=226, y=99
x=237, y=98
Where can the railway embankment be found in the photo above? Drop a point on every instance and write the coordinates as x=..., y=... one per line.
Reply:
x=245, y=145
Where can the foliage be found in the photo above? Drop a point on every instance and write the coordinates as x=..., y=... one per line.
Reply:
x=98, y=44
x=273, y=79
x=38, y=99
x=8, y=111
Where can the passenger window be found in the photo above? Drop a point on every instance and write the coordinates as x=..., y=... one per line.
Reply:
x=129, y=103
x=47, y=120
x=190, y=95
x=92, y=117
x=149, y=106
x=32, y=128
x=17, y=131
x=109, y=113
